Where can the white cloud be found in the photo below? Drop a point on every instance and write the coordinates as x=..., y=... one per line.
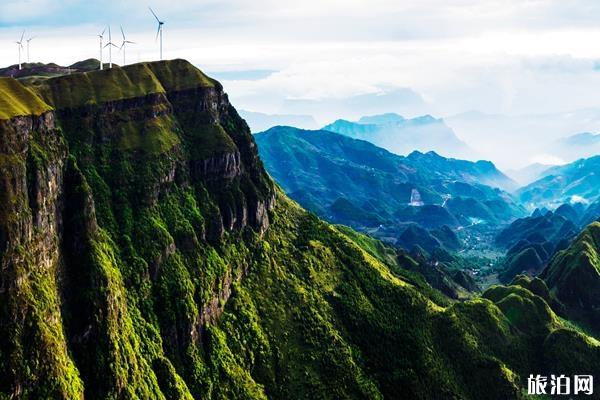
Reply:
x=497, y=56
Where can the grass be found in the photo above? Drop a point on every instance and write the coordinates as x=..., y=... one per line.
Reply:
x=154, y=136
x=119, y=83
x=179, y=74
x=96, y=87
x=18, y=100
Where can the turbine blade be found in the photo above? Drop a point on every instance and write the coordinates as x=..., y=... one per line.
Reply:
x=22, y=35
x=122, y=33
x=158, y=32
x=153, y=13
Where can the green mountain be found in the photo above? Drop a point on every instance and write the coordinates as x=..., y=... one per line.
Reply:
x=402, y=136
x=574, y=276
x=575, y=182
x=356, y=183
x=532, y=241
x=146, y=254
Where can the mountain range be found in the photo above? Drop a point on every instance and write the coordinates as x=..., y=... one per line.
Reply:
x=402, y=136
x=145, y=253
x=356, y=183
x=575, y=182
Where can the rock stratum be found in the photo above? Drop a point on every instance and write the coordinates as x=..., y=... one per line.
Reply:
x=146, y=254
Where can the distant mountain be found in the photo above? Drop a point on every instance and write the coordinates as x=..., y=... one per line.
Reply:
x=541, y=236
x=582, y=139
x=580, y=145
x=328, y=109
x=575, y=182
x=402, y=136
x=484, y=172
x=354, y=182
x=259, y=122
x=511, y=139
x=533, y=240
x=524, y=176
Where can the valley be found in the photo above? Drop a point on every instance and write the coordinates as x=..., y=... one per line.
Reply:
x=429, y=204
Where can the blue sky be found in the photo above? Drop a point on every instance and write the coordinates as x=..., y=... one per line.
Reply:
x=501, y=57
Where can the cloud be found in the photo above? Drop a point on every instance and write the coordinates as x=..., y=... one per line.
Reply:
x=497, y=56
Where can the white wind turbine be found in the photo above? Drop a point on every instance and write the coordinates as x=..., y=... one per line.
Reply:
x=110, y=45
x=101, y=36
x=29, y=40
x=125, y=41
x=20, y=44
x=160, y=30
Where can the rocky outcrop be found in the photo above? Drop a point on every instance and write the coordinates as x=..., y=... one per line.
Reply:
x=221, y=166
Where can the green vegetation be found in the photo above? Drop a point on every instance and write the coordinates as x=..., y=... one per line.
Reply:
x=573, y=277
x=95, y=87
x=179, y=74
x=353, y=182
x=157, y=280
x=17, y=100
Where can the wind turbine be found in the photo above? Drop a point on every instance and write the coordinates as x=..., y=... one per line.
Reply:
x=125, y=41
x=20, y=44
x=101, y=36
x=160, y=30
x=29, y=40
x=110, y=45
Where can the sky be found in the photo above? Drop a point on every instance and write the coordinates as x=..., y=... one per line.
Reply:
x=528, y=60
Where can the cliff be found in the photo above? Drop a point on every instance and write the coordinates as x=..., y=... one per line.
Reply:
x=113, y=183
x=146, y=254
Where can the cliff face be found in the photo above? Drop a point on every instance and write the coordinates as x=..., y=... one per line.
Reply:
x=119, y=193
x=32, y=163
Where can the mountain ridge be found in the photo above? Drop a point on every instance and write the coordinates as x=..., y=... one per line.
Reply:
x=401, y=135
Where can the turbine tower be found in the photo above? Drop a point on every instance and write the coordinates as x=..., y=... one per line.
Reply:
x=110, y=45
x=160, y=30
x=20, y=44
x=125, y=41
x=101, y=36
x=29, y=40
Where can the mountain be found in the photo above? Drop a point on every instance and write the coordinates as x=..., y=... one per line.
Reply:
x=574, y=276
x=575, y=182
x=146, y=253
x=582, y=139
x=532, y=241
x=526, y=175
x=354, y=182
x=402, y=136
x=327, y=108
x=259, y=122
x=579, y=145
x=514, y=141
x=483, y=172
